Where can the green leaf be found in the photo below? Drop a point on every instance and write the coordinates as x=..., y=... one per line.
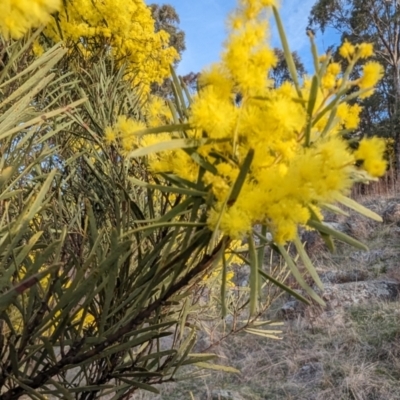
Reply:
x=235, y=190
x=281, y=285
x=168, y=189
x=9, y=296
x=254, y=286
x=40, y=119
x=350, y=203
x=307, y=262
x=264, y=333
x=288, y=54
x=336, y=234
x=179, y=92
x=184, y=351
x=223, y=283
x=314, y=52
x=173, y=144
x=334, y=209
x=7, y=274
x=240, y=180
x=140, y=385
x=296, y=273
x=61, y=390
x=197, y=158
x=326, y=238
x=216, y=367
x=310, y=108
x=32, y=392
x=5, y=175
x=80, y=389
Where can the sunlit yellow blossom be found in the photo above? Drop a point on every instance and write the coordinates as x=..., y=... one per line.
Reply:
x=230, y=259
x=37, y=49
x=299, y=162
x=322, y=58
x=366, y=50
x=375, y=167
x=177, y=162
x=251, y=8
x=347, y=50
x=124, y=134
x=247, y=56
x=109, y=135
x=157, y=112
x=334, y=68
x=235, y=222
x=127, y=126
x=372, y=73
x=218, y=79
x=227, y=170
x=370, y=152
x=88, y=321
x=235, y=247
x=18, y=16
x=328, y=81
x=125, y=27
x=287, y=90
x=349, y=115
x=209, y=113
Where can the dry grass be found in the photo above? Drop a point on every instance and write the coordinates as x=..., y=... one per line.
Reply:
x=354, y=354
x=358, y=359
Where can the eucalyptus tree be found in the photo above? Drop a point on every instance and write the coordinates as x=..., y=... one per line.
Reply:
x=377, y=22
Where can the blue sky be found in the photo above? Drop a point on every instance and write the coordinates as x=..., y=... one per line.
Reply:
x=204, y=24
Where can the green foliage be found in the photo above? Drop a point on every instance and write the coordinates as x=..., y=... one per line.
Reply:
x=100, y=259
x=280, y=73
x=375, y=22
x=90, y=282
x=105, y=266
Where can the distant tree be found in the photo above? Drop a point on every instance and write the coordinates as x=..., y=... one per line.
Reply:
x=167, y=19
x=190, y=80
x=280, y=73
x=377, y=22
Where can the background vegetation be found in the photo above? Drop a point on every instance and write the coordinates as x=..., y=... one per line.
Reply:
x=112, y=259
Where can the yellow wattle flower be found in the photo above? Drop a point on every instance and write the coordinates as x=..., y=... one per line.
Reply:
x=295, y=167
x=370, y=151
x=18, y=16
x=366, y=50
x=347, y=50
x=372, y=73
x=124, y=27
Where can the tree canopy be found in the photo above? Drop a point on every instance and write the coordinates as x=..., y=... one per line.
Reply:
x=280, y=72
x=377, y=22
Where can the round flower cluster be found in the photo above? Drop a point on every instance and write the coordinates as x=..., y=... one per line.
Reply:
x=126, y=28
x=295, y=134
x=18, y=16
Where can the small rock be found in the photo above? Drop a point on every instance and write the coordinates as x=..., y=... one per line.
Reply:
x=368, y=257
x=222, y=394
x=346, y=294
x=338, y=226
x=340, y=295
x=292, y=308
x=309, y=374
x=392, y=214
x=354, y=275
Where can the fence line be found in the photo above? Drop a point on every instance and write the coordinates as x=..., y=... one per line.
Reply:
x=388, y=185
